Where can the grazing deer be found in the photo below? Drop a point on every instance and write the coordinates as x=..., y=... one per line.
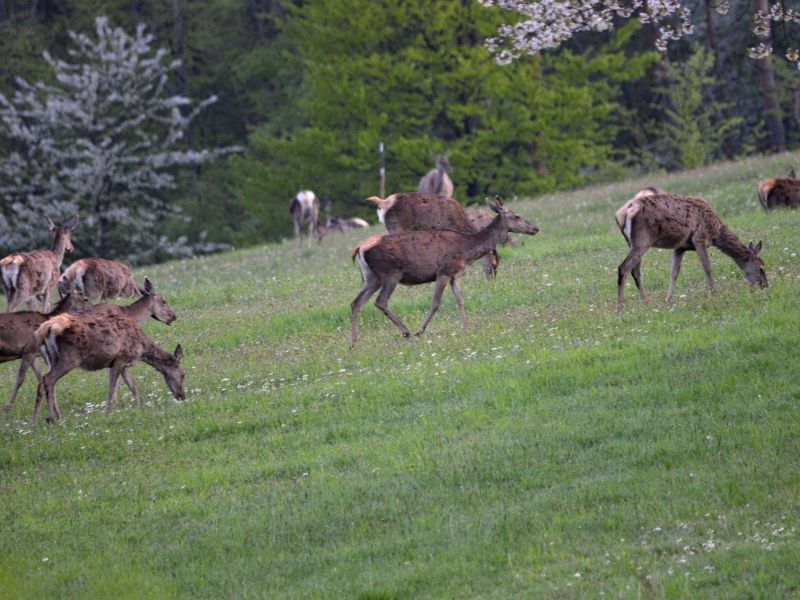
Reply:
x=17, y=336
x=779, y=192
x=338, y=224
x=151, y=304
x=100, y=341
x=304, y=208
x=100, y=279
x=417, y=257
x=414, y=211
x=31, y=275
x=437, y=181
x=681, y=223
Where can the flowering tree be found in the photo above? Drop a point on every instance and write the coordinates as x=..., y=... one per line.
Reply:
x=102, y=140
x=548, y=23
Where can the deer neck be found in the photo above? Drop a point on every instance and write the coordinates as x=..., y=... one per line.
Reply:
x=487, y=238
x=157, y=358
x=731, y=245
x=139, y=311
x=59, y=246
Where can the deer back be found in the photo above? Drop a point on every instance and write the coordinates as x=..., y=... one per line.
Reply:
x=101, y=279
x=779, y=193
x=413, y=211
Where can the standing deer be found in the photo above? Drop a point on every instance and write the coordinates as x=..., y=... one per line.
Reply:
x=100, y=341
x=414, y=211
x=151, y=304
x=779, y=192
x=100, y=279
x=417, y=257
x=17, y=336
x=304, y=208
x=680, y=223
x=32, y=274
x=437, y=181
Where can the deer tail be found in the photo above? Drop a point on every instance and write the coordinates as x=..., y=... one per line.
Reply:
x=9, y=267
x=764, y=188
x=47, y=334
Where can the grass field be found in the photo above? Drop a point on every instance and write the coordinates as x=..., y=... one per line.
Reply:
x=556, y=450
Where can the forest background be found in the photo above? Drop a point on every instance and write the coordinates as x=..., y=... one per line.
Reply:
x=307, y=90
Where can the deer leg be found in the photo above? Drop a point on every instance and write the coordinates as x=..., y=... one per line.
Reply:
x=702, y=254
x=490, y=262
x=675, y=267
x=126, y=377
x=383, y=303
x=45, y=296
x=113, y=380
x=634, y=258
x=47, y=387
x=28, y=360
x=441, y=283
x=297, y=232
x=371, y=285
x=456, y=287
x=637, y=278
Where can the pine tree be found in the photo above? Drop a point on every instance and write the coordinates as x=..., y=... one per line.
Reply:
x=104, y=140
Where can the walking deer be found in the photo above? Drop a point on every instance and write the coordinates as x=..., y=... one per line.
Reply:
x=150, y=305
x=417, y=257
x=100, y=341
x=31, y=275
x=100, y=279
x=680, y=223
x=779, y=192
x=304, y=208
x=437, y=181
x=17, y=336
x=415, y=211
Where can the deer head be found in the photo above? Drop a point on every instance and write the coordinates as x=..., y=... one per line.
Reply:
x=160, y=309
x=63, y=233
x=753, y=267
x=174, y=373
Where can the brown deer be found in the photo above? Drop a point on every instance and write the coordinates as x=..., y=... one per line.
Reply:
x=16, y=335
x=680, y=223
x=414, y=211
x=437, y=181
x=304, y=208
x=100, y=279
x=339, y=224
x=417, y=257
x=100, y=341
x=32, y=274
x=779, y=192
x=151, y=304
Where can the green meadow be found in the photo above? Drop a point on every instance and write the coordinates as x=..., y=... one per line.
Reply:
x=555, y=450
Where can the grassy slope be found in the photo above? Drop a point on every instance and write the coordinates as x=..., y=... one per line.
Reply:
x=555, y=450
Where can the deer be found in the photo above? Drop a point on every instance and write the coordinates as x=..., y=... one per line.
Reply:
x=779, y=192
x=31, y=275
x=304, y=208
x=413, y=211
x=436, y=181
x=17, y=331
x=100, y=279
x=96, y=341
x=339, y=224
x=679, y=223
x=149, y=305
x=417, y=257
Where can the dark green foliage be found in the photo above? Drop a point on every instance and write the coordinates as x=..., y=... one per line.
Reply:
x=417, y=77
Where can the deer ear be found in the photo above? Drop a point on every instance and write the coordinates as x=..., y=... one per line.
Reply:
x=72, y=223
x=757, y=248
x=178, y=352
x=50, y=223
x=148, y=286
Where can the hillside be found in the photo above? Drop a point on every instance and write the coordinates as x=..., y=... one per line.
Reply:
x=555, y=450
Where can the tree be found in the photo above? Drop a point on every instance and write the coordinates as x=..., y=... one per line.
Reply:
x=105, y=140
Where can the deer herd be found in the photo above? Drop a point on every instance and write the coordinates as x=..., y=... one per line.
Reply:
x=430, y=238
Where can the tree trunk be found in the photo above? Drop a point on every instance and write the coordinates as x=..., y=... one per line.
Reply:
x=769, y=93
